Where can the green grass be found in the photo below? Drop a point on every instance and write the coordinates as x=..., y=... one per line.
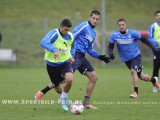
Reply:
x=111, y=96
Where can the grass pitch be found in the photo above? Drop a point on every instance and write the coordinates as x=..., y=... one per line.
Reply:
x=111, y=95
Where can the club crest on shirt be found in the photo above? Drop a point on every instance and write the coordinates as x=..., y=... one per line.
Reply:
x=89, y=38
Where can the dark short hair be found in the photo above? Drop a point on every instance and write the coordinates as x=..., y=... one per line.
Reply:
x=96, y=12
x=66, y=22
x=120, y=20
x=158, y=11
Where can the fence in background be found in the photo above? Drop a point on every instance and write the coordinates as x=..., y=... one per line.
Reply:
x=24, y=35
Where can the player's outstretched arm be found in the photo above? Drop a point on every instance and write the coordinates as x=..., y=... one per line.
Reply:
x=147, y=42
x=110, y=51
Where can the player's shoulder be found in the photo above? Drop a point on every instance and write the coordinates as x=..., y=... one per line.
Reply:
x=115, y=32
x=53, y=31
x=154, y=24
x=132, y=31
x=82, y=24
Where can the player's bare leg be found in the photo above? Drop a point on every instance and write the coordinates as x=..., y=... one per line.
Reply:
x=89, y=89
x=58, y=89
x=67, y=86
x=135, y=83
x=91, y=83
x=144, y=77
x=42, y=92
x=154, y=81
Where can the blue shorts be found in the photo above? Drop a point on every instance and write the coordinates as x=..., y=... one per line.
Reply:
x=56, y=74
x=135, y=64
x=81, y=63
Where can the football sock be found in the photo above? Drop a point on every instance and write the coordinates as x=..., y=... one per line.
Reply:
x=86, y=100
x=136, y=89
x=63, y=95
x=153, y=80
x=45, y=90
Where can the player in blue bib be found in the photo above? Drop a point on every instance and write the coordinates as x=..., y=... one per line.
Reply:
x=127, y=45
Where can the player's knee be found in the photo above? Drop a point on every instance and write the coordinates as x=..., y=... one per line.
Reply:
x=133, y=72
x=93, y=78
x=145, y=77
x=141, y=77
x=69, y=80
x=59, y=91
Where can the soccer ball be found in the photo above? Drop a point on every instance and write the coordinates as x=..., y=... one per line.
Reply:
x=77, y=108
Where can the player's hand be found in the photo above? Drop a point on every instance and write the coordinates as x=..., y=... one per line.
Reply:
x=72, y=60
x=56, y=56
x=112, y=57
x=104, y=58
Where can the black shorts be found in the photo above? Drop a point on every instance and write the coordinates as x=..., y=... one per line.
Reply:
x=56, y=74
x=82, y=64
x=135, y=64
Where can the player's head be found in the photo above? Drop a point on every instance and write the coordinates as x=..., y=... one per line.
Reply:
x=122, y=24
x=157, y=14
x=94, y=17
x=65, y=26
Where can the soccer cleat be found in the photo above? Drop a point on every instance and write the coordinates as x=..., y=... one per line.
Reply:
x=134, y=95
x=64, y=107
x=154, y=89
x=157, y=84
x=68, y=102
x=89, y=106
x=63, y=104
x=38, y=96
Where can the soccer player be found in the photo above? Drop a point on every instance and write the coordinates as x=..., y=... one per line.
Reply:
x=127, y=46
x=59, y=48
x=154, y=37
x=84, y=35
